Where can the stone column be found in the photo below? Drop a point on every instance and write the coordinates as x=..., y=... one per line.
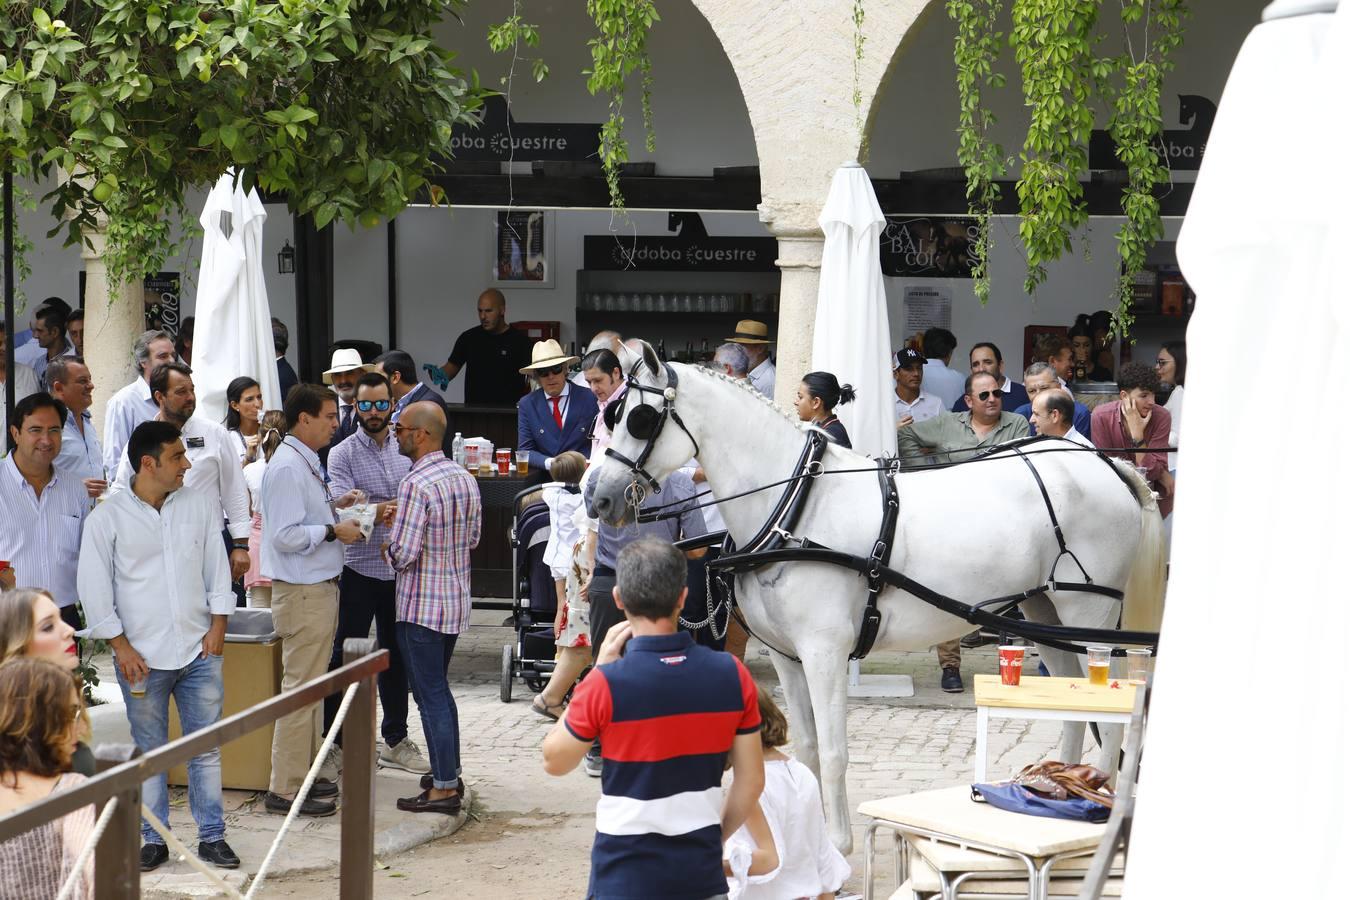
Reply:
x=113, y=319
x=799, y=256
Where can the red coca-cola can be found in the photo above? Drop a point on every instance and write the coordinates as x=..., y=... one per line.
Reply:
x=1010, y=663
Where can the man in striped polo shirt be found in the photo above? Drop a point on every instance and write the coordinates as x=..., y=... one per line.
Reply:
x=667, y=712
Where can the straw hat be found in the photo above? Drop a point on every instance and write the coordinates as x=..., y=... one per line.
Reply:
x=345, y=361
x=748, y=331
x=546, y=355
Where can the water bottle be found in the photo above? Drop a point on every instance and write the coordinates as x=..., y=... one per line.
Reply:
x=457, y=448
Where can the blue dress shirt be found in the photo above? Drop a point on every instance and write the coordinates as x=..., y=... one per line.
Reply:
x=295, y=514
x=81, y=454
x=40, y=536
x=128, y=408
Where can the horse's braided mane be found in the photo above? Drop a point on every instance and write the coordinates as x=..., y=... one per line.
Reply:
x=745, y=385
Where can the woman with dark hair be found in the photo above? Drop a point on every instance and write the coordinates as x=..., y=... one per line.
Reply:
x=41, y=717
x=817, y=396
x=271, y=431
x=1171, y=368
x=1080, y=341
x=1103, y=352
x=243, y=414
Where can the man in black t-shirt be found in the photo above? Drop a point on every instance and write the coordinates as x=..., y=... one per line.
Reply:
x=494, y=352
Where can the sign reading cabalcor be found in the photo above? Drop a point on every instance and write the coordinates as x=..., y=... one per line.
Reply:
x=692, y=250
x=927, y=247
x=501, y=138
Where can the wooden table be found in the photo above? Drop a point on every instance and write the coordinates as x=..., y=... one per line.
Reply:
x=1062, y=699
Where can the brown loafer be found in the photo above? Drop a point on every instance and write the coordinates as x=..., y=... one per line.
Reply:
x=423, y=803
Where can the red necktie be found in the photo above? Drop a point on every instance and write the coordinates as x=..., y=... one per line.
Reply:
x=557, y=413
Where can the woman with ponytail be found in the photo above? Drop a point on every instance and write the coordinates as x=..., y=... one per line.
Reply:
x=817, y=396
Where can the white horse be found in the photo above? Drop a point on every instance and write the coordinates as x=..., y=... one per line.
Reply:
x=971, y=532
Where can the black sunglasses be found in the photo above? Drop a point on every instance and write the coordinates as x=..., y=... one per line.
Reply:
x=984, y=395
x=556, y=370
x=368, y=405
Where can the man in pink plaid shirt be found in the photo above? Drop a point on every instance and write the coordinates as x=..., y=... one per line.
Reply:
x=438, y=521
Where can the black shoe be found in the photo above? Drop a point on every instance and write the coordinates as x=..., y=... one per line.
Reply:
x=217, y=853
x=951, y=681
x=322, y=789
x=317, y=809
x=973, y=640
x=155, y=855
x=426, y=783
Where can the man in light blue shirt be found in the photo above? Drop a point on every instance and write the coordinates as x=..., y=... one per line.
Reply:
x=81, y=454
x=134, y=403
x=302, y=553
x=42, y=509
x=156, y=586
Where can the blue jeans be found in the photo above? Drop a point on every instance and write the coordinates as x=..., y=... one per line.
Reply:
x=199, y=690
x=426, y=656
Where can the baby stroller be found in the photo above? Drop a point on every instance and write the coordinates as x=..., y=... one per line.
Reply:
x=534, y=601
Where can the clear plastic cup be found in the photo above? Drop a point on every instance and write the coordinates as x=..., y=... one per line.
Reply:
x=137, y=686
x=1138, y=663
x=1099, y=665
x=522, y=462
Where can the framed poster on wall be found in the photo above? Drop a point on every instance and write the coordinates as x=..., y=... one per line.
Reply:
x=522, y=249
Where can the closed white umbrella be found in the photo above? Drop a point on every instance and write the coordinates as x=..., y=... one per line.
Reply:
x=1250, y=722
x=853, y=332
x=233, y=333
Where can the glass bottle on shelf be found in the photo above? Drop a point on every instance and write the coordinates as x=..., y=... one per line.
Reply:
x=661, y=350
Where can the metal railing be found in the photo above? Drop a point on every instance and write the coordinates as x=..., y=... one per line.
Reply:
x=117, y=873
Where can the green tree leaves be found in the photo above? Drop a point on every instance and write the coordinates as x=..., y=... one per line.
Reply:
x=168, y=95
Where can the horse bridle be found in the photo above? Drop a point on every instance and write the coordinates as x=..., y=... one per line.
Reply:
x=645, y=422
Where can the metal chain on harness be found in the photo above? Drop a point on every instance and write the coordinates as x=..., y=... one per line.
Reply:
x=713, y=609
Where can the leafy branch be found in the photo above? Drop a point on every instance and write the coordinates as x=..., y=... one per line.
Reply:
x=618, y=52
x=976, y=52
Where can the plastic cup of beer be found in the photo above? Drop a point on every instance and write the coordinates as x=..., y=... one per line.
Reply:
x=1010, y=658
x=504, y=461
x=522, y=462
x=1137, y=665
x=137, y=686
x=1099, y=665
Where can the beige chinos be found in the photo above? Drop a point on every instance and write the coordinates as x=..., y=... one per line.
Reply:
x=305, y=618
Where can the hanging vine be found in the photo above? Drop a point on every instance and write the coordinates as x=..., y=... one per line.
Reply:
x=977, y=48
x=1064, y=82
x=1136, y=126
x=618, y=52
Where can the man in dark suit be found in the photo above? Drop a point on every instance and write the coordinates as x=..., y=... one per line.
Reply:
x=985, y=357
x=554, y=418
x=281, y=341
x=398, y=366
x=342, y=373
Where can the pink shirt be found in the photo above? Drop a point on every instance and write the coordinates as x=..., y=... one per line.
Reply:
x=1108, y=430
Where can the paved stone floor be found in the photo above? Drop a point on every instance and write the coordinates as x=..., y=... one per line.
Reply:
x=529, y=834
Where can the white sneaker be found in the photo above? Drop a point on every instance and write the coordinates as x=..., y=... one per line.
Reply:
x=332, y=764
x=405, y=755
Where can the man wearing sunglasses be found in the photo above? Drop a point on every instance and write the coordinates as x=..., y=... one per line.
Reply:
x=955, y=436
x=369, y=461
x=556, y=417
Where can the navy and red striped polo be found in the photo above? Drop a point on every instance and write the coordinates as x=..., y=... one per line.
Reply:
x=666, y=715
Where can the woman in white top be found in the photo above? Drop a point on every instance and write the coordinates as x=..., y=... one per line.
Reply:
x=572, y=625
x=243, y=416
x=271, y=431
x=802, y=861
x=1171, y=366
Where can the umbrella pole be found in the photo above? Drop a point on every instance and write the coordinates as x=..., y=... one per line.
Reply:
x=8, y=203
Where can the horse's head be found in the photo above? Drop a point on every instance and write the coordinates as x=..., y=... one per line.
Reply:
x=649, y=439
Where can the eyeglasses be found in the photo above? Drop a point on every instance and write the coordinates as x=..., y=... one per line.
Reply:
x=984, y=395
x=368, y=405
x=556, y=370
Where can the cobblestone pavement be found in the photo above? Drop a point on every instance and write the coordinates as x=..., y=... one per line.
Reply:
x=534, y=831
x=529, y=835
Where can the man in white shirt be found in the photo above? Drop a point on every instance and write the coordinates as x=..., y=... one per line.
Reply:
x=912, y=402
x=1052, y=413
x=25, y=382
x=42, y=509
x=134, y=403
x=49, y=330
x=215, y=471
x=754, y=337
x=945, y=383
x=155, y=585
x=301, y=552
x=81, y=455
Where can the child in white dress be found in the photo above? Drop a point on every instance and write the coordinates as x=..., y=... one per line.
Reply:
x=808, y=864
x=571, y=626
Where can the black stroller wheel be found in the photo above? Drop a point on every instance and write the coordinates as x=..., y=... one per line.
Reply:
x=508, y=671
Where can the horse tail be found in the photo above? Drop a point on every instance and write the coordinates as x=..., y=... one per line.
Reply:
x=1144, y=589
